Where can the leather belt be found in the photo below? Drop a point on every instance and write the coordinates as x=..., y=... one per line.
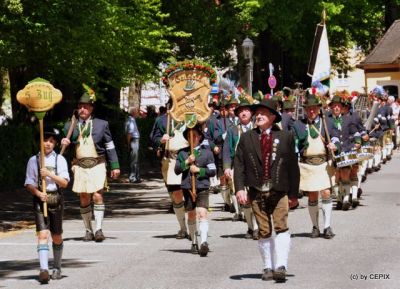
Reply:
x=88, y=163
x=314, y=160
x=266, y=186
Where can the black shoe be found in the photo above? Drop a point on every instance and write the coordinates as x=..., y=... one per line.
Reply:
x=204, y=249
x=328, y=234
x=355, y=203
x=138, y=181
x=181, y=235
x=194, y=249
x=232, y=209
x=249, y=234
x=88, y=236
x=359, y=193
x=384, y=161
x=216, y=190
x=267, y=274
x=315, y=232
x=99, y=236
x=369, y=170
x=339, y=205
x=44, y=276
x=235, y=218
x=56, y=275
x=388, y=157
x=363, y=178
x=279, y=275
x=255, y=235
x=346, y=206
x=227, y=208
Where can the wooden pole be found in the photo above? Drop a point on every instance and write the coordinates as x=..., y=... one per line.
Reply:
x=193, y=176
x=42, y=165
x=72, y=126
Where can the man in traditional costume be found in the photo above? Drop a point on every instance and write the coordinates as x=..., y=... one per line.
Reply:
x=93, y=147
x=265, y=171
x=244, y=114
x=316, y=172
x=350, y=132
x=167, y=144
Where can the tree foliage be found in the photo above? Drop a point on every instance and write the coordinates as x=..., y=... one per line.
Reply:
x=69, y=41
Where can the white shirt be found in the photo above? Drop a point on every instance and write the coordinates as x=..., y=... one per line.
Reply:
x=32, y=174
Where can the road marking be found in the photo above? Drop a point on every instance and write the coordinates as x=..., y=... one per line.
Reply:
x=107, y=231
x=75, y=243
x=127, y=221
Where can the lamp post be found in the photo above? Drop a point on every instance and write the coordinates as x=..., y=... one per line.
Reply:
x=248, y=48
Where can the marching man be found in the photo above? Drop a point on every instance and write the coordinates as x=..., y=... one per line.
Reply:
x=266, y=164
x=93, y=147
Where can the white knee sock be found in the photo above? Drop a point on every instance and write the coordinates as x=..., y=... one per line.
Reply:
x=267, y=248
x=354, y=190
x=282, y=248
x=313, y=211
x=43, y=252
x=203, y=227
x=98, y=210
x=327, y=211
x=225, y=193
x=179, y=210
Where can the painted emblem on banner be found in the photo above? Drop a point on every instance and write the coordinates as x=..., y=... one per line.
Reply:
x=39, y=95
x=189, y=86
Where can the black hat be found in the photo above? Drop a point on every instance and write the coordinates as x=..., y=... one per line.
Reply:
x=243, y=103
x=272, y=105
x=51, y=132
x=198, y=127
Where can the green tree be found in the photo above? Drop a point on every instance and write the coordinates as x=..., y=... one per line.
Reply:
x=91, y=41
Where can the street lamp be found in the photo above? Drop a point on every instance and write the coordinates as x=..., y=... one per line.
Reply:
x=248, y=48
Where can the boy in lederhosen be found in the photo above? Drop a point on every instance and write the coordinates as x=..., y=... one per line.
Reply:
x=56, y=176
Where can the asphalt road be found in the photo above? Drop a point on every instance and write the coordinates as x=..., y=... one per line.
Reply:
x=140, y=250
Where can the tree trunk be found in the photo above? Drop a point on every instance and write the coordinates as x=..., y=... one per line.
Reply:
x=18, y=79
x=134, y=93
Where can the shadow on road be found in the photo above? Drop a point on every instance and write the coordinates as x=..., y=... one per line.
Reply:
x=123, y=200
x=13, y=266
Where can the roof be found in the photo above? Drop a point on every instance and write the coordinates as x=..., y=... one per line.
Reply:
x=387, y=51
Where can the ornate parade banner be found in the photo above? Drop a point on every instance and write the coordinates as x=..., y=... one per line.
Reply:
x=189, y=84
x=39, y=95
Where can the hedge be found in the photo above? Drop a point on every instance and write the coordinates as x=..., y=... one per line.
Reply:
x=20, y=142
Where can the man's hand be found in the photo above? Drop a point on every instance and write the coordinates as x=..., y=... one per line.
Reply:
x=115, y=173
x=65, y=141
x=190, y=160
x=242, y=197
x=217, y=150
x=44, y=172
x=228, y=173
x=164, y=138
x=357, y=146
x=332, y=147
x=194, y=169
x=42, y=196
